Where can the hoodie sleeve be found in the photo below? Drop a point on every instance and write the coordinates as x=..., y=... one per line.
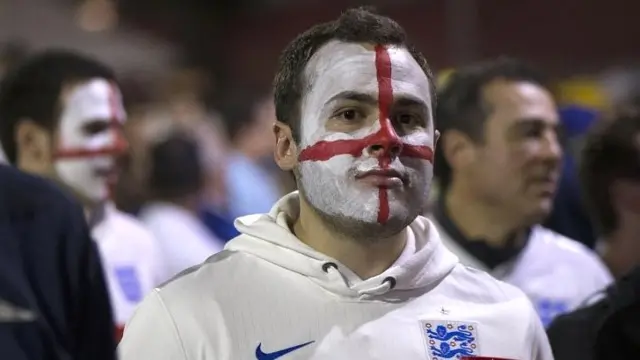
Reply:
x=540, y=348
x=151, y=334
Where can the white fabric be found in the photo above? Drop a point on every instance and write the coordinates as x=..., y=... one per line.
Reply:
x=130, y=261
x=268, y=292
x=557, y=273
x=183, y=239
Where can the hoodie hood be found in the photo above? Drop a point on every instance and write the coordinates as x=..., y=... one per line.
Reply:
x=424, y=263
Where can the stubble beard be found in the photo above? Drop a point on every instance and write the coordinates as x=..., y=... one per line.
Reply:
x=363, y=229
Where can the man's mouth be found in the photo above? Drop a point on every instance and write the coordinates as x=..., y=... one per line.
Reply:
x=546, y=184
x=383, y=178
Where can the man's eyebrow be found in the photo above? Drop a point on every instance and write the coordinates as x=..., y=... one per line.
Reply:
x=404, y=100
x=354, y=96
x=401, y=100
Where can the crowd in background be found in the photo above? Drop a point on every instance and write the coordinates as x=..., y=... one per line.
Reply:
x=195, y=163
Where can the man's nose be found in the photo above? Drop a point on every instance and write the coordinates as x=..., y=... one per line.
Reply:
x=386, y=142
x=552, y=148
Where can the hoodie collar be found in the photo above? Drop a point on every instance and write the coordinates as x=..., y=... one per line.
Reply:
x=424, y=262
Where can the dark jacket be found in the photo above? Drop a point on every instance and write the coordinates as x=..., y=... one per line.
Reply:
x=608, y=329
x=53, y=299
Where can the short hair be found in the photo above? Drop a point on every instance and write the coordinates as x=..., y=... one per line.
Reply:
x=611, y=152
x=32, y=90
x=461, y=103
x=358, y=25
x=175, y=167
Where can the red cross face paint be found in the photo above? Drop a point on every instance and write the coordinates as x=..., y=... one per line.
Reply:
x=366, y=135
x=89, y=137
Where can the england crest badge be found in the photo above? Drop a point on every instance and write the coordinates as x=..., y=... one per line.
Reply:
x=450, y=339
x=127, y=277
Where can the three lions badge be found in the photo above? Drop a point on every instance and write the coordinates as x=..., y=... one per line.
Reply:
x=450, y=339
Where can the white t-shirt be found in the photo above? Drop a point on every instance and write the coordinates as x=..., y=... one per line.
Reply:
x=268, y=296
x=182, y=238
x=557, y=273
x=130, y=260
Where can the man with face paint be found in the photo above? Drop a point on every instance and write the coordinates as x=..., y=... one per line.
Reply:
x=60, y=117
x=346, y=268
x=498, y=166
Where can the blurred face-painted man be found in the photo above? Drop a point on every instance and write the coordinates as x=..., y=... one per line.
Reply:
x=89, y=137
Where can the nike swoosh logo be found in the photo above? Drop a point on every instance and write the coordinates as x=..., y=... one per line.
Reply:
x=260, y=355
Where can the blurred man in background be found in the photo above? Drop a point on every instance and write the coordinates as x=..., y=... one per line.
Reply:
x=338, y=270
x=610, y=172
x=176, y=182
x=498, y=165
x=54, y=303
x=61, y=116
x=249, y=121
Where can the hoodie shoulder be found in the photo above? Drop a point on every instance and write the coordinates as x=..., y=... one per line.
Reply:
x=190, y=277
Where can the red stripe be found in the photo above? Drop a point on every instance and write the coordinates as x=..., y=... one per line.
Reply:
x=83, y=153
x=120, y=144
x=119, y=333
x=116, y=118
x=385, y=137
x=385, y=98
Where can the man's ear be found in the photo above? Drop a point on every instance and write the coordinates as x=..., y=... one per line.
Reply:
x=286, y=150
x=33, y=143
x=457, y=149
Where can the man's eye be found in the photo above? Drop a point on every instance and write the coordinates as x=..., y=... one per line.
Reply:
x=95, y=127
x=349, y=115
x=406, y=119
x=533, y=131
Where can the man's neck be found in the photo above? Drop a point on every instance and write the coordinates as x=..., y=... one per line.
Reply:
x=365, y=258
x=95, y=213
x=477, y=220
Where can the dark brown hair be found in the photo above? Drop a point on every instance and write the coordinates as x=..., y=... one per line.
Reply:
x=611, y=152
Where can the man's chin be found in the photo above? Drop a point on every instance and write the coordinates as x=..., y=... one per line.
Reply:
x=85, y=198
x=370, y=228
x=540, y=212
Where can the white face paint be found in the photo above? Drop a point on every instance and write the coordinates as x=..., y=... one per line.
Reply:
x=89, y=136
x=331, y=171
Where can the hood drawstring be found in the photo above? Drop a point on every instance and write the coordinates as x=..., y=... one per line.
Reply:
x=391, y=280
x=328, y=265
x=385, y=286
x=389, y=283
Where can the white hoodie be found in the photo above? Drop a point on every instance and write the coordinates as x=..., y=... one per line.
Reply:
x=269, y=296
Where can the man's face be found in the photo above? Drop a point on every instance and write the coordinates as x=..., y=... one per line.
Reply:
x=367, y=136
x=89, y=138
x=518, y=165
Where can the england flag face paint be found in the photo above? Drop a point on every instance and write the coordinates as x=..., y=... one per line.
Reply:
x=89, y=136
x=367, y=135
